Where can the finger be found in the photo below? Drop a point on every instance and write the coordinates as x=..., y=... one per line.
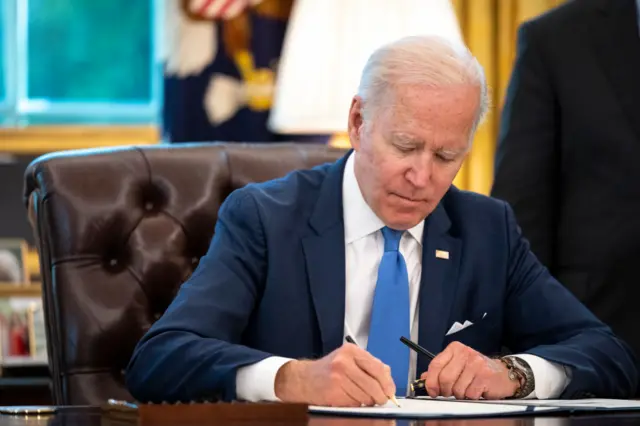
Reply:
x=367, y=384
x=491, y=391
x=448, y=376
x=341, y=391
x=343, y=400
x=379, y=371
x=354, y=392
x=435, y=366
x=464, y=381
x=477, y=388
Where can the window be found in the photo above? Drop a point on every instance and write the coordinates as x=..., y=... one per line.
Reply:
x=2, y=59
x=80, y=62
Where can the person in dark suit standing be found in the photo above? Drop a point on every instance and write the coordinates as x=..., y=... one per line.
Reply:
x=566, y=157
x=376, y=246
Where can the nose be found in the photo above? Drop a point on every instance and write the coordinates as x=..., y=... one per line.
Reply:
x=419, y=174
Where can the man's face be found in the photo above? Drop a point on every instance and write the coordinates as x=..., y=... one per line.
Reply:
x=410, y=152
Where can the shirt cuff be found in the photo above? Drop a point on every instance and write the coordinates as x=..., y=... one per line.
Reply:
x=256, y=382
x=551, y=379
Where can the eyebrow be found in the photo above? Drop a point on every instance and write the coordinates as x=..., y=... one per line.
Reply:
x=399, y=137
x=404, y=138
x=449, y=151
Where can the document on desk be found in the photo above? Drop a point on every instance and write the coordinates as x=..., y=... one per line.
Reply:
x=590, y=404
x=434, y=409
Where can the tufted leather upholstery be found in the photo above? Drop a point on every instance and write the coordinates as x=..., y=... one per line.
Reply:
x=118, y=231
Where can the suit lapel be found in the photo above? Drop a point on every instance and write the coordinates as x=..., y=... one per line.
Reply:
x=438, y=283
x=325, y=259
x=616, y=40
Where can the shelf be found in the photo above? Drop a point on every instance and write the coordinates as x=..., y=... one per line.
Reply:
x=23, y=362
x=21, y=290
x=13, y=382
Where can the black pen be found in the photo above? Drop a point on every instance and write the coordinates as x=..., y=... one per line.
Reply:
x=391, y=397
x=416, y=347
x=417, y=384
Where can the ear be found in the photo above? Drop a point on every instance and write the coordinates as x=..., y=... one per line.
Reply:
x=356, y=122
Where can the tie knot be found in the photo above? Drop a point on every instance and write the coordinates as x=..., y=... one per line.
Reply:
x=391, y=239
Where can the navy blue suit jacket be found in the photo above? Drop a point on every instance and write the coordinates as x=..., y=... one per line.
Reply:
x=273, y=283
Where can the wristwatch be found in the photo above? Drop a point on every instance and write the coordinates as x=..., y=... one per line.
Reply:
x=520, y=370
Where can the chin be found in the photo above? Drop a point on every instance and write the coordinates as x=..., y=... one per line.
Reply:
x=403, y=221
x=404, y=217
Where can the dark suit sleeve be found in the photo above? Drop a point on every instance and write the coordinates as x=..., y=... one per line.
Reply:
x=543, y=318
x=527, y=158
x=192, y=351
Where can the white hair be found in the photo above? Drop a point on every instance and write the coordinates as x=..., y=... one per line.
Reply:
x=423, y=60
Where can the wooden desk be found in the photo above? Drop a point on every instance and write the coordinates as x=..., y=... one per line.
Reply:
x=87, y=416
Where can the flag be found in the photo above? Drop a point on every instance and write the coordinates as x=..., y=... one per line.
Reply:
x=220, y=65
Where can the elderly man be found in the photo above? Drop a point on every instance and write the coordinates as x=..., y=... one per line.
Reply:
x=377, y=246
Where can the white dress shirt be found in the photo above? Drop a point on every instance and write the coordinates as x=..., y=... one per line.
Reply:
x=364, y=246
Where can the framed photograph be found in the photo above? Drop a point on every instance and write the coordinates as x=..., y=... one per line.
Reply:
x=22, y=332
x=13, y=262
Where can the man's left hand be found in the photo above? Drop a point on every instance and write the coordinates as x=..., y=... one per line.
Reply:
x=466, y=374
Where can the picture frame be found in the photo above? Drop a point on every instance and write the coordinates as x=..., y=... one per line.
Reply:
x=22, y=332
x=13, y=262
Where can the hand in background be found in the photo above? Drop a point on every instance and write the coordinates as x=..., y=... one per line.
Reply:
x=348, y=376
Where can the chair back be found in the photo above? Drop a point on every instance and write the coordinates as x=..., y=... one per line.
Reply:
x=118, y=231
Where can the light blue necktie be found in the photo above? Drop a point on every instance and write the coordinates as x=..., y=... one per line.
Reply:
x=390, y=312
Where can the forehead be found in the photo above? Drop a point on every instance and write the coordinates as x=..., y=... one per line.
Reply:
x=422, y=108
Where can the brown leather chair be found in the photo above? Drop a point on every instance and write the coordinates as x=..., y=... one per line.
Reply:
x=118, y=231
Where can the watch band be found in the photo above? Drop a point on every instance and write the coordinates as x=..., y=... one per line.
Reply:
x=520, y=370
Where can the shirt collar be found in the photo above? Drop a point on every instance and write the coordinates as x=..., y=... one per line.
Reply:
x=359, y=219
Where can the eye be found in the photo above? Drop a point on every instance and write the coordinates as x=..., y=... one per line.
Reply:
x=444, y=158
x=404, y=149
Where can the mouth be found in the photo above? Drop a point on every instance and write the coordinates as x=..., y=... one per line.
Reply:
x=409, y=200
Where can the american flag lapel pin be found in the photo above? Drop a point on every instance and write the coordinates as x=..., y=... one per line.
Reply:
x=442, y=254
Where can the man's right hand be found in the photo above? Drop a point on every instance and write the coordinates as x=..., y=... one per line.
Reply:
x=347, y=377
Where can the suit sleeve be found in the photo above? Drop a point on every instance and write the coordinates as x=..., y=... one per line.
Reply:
x=527, y=158
x=543, y=318
x=193, y=351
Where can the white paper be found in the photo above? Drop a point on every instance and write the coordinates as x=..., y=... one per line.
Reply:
x=432, y=408
x=583, y=404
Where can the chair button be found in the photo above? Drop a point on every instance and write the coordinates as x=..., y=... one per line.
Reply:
x=148, y=206
x=113, y=262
